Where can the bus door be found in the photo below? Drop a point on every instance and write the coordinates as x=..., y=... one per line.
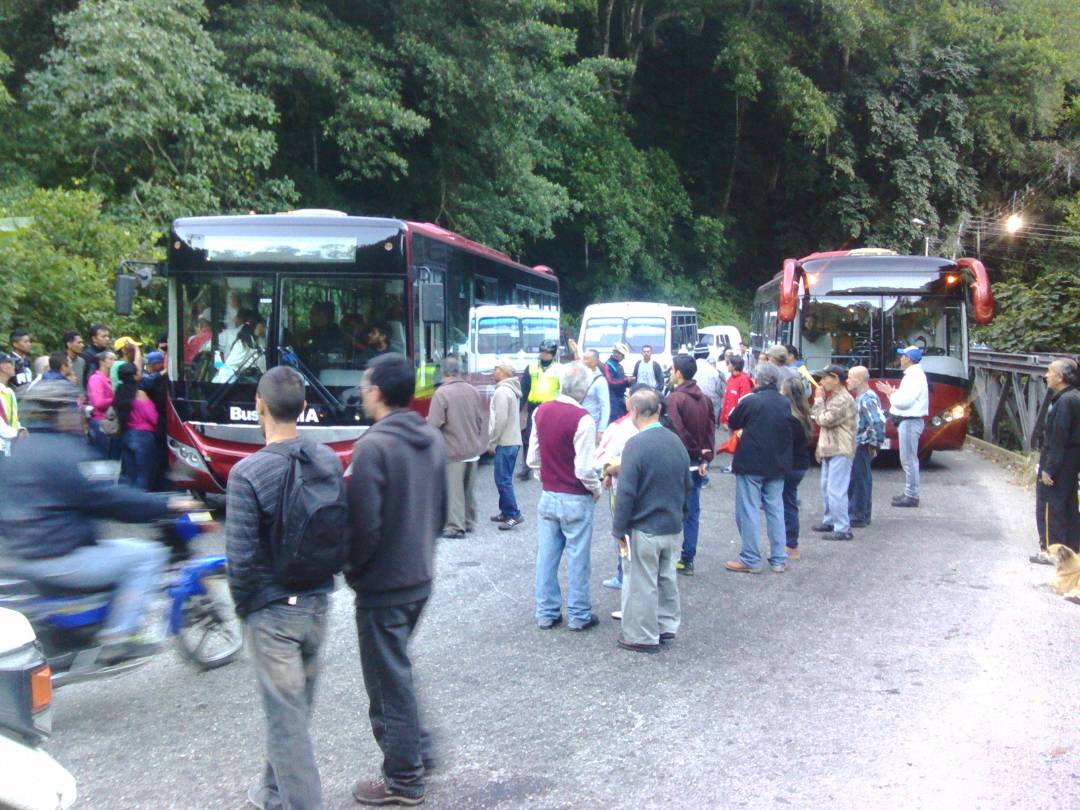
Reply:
x=429, y=325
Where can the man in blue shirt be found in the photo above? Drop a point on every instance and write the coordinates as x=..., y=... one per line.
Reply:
x=869, y=436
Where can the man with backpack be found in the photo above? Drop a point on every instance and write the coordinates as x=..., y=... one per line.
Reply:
x=286, y=528
x=397, y=507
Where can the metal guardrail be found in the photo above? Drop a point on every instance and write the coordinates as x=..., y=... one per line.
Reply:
x=1010, y=388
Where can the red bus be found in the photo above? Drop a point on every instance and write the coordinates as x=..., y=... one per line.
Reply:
x=321, y=292
x=857, y=307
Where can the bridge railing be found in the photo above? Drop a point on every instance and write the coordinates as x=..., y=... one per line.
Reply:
x=1009, y=388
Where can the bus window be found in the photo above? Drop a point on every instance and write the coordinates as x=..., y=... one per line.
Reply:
x=935, y=325
x=229, y=315
x=603, y=333
x=646, y=332
x=536, y=330
x=842, y=330
x=498, y=335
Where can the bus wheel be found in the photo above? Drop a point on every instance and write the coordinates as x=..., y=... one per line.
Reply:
x=924, y=456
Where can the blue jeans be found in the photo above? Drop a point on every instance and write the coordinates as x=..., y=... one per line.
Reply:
x=691, y=523
x=138, y=455
x=835, y=477
x=565, y=522
x=753, y=493
x=791, y=506
x=132, y=568
x=285, y=642
x=861, y=488
x=108, y=446
x=505, y=460
x=909, y=432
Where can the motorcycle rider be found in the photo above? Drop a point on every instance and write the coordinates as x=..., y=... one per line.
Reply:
x=54, y=494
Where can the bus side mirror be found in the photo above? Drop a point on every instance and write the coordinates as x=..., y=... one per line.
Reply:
x=432, y=302
x=125, y=294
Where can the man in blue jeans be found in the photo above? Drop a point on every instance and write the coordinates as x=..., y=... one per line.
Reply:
x=909, y=405
x=504, y=440
x=286, y=628
x=563, y=447
x=692, y=420
x=761, y=461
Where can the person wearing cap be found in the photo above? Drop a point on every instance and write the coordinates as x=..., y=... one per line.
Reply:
x=709, y=380
x=10, y=427
x=616, y=380
x=648, y=371
x=835, y=413
x=504, y=440
x=539, y=384
x=909, y=405
x=127, y=351
x=155, y=383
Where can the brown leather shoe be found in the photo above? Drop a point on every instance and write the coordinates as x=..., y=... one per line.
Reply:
x=377, y=793
x=645, y=648
x=739, y=568
x=794, y=554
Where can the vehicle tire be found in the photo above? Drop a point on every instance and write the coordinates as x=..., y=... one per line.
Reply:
x=924, y=457
x=210, y=634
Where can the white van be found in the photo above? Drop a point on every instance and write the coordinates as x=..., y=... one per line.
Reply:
x=666, y=328
x=719, y=339
x=509, y=333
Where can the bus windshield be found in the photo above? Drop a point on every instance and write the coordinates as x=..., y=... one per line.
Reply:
x=867, y=330
x=602, y=334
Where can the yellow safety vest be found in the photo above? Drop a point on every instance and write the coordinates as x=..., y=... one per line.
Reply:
x=544, y=382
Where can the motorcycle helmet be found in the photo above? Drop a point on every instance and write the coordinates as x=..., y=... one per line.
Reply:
x=549, y=346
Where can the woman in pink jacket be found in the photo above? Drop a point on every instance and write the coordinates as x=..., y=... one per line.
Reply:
x=99, y=393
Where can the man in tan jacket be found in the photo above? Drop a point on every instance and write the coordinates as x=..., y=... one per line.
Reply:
x=504, y=440
x=834, y=411
x=457, y=412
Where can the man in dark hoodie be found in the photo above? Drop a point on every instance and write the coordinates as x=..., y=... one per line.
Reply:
x=690, y=412
x=397, y=507
x=286, y=628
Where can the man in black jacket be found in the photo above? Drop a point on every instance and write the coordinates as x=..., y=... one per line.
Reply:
x=54, y=494
x=397, y=507
x=1056, y=512
x=761, y=461
x=286, y=628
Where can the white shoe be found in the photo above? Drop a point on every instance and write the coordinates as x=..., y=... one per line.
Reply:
x=616, y=615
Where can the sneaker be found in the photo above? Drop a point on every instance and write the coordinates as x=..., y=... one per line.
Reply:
x=452, y=535
x=839, y=536
x=1042, y=558
x=377, y=793
x=1073, y=596
x=592, y=621
x=794, y=553
x=510, y=523
x=499, y=518
x=128, y=649
x=643, y=648
x=779, y=568
x=685, y=568
x=904, y=500
x=616, y=615
x=666, y=637
x=614, y=583
x=739, y=568
x=547, y=624
x=256, y=796
x=822, y=527
x=860, y=524
x=524, y=476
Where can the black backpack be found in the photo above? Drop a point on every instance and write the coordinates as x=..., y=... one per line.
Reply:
x=309, y=540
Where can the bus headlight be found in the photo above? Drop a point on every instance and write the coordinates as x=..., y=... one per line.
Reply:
x=949, y=415
x=188, y=455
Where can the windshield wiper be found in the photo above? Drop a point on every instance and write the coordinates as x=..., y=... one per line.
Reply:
x=288, y=357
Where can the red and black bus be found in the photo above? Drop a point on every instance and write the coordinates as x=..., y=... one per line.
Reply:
x=857, y=307
x=306, y=289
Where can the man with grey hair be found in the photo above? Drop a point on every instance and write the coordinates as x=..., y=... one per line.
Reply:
x=457, y=412
x=654, y=487
x=761, y=461
x=562, y=446
x=504, y=440
x=597, y=399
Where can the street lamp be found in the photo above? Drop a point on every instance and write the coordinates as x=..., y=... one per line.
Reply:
x=926, y=238
x=1014, y=223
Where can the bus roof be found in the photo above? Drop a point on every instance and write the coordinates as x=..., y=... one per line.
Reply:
x=632, y=308
x=338, y=221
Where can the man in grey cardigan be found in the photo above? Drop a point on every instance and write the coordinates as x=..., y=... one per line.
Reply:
x=457, y=411
x=654, y=484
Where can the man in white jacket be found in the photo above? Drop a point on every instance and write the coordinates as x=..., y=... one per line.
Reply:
x=909, y=405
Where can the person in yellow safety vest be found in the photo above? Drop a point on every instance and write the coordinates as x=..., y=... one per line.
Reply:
x=10, y=429
x=539, y=384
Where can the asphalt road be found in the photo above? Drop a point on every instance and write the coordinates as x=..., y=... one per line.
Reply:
x=926, y=664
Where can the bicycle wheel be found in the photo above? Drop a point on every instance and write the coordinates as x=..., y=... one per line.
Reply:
x=210, y=635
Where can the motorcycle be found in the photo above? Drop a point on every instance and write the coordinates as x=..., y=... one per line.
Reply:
x=192, y=605
x=30, y=779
